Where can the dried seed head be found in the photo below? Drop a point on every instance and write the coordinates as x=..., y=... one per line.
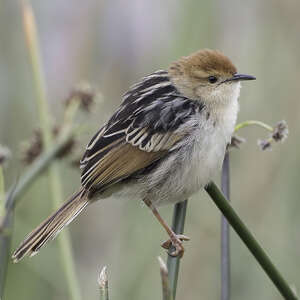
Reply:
x=280, y=132
x=4, y=154
x=236, y=141
x=83, y=93
x=68, y=147
x=34, y=147
x=265, y=144
x=75, y=163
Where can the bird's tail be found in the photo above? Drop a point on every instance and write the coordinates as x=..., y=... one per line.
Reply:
x=52, y=226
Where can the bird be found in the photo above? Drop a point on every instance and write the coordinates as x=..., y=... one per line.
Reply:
x=165, y=142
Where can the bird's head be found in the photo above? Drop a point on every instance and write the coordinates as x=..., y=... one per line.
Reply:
x=207, y=75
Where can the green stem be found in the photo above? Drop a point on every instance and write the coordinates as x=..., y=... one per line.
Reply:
x=64, y=240
x=250, y=242
x=178, y=227
x=38, y=166
x=225, y=234
x=2, y=194
x=14, y=195
x=5, y=241
x=54, y=176
x=37, y=71
x=253, y=122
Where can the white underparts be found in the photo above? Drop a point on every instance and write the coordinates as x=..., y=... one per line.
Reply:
x=199, y=156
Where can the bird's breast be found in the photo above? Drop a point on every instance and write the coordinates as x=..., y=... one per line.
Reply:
x=198, y=159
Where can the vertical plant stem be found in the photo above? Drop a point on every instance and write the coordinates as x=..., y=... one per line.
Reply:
x=166, y=290
x=2, y=194
x=225, y=234
x=249, y=240
x=37, y=72
x=43, y=110
x=5, y=242
x=178, y=227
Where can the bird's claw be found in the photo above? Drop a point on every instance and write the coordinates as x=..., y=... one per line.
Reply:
x=176, y=242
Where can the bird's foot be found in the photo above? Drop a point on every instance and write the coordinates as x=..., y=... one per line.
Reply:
x=175, y=241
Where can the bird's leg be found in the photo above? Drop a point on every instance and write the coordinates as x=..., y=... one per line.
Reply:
x=175, y=239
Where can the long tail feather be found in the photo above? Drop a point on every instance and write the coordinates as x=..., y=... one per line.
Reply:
x=51, y=226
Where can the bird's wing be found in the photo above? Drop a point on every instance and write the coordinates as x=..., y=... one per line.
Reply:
x=148, y=125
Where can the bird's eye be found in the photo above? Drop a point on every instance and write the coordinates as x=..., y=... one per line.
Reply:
x=212, y=79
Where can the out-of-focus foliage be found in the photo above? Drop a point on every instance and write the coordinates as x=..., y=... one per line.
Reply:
x=112, y=44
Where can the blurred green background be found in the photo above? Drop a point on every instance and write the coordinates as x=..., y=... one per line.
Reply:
x=112, y=44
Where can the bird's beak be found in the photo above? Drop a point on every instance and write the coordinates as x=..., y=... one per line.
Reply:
x=239, y=77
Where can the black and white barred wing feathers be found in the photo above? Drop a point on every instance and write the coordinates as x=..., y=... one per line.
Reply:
x=143, y=130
